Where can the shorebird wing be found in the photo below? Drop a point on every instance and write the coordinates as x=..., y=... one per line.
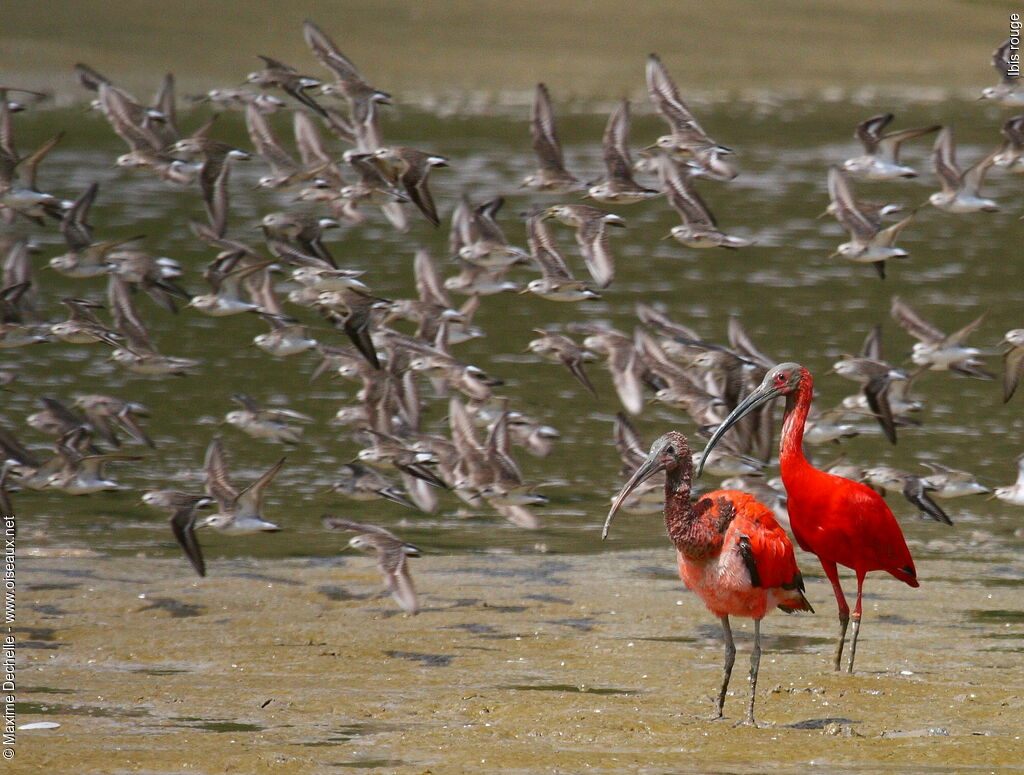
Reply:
x=683, y=196
x=183, y=524
x=248, y=501
x=428, y=282
x=1001, y=62
x=518, y=515
x=356, y=325
x=872, y=347
x=542, y=128
x=628, y=444
x=740, y=341
x=213, y=182
x=1013, y=369
x=30, y=164
x=117, y=111
x=90, y=78
x=544, y=251
x=889, y=144
x=573, y=360
x=592, y=237
x=395, y=568
x=463, y=433
x=165, y=103
x=975, y=176
x=1013, y=131
x=309, y=142
x=886, y=237
x=876, y=391
x=617, y=160
x=339, y=523
x=14, y=450
x=266, y=143
x=869, y=132
x=328, y=54
x=74, y=225
x=414, y=180
x=861, y=226
x=913, y=323
x=915, y=492
x=625, y=370
x=126, y=420
x=218, y=486
x=944, y=160
x=958, y=337
x=666, y=99
x=1020, y=472
x=126, y=319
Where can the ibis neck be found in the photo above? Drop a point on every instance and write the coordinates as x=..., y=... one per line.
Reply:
x=791, y=447
x=679, y=511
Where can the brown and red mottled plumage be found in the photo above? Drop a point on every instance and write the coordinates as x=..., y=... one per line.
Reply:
x=842, y=521
x=730, y=550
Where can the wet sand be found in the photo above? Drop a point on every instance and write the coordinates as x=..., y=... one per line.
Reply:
x=517, y=664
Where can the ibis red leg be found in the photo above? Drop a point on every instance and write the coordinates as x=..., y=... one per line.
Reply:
x=844, y=608
x=856, y=622
x=755, y=664
x=730, y=658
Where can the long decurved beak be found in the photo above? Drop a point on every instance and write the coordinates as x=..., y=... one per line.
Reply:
x=647, y=469
x=760, y=395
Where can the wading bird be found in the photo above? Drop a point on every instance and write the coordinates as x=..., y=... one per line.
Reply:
x=1013, y=361
x=551, y=175
x=730, y=550
x=842, y=521
x=881, y=158
x=1013, y=493
x=1008, y=91
x=391, y=552
x=870, y=242
x=960, y=188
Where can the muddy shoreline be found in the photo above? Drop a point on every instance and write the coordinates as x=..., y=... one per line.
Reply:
x=518, y=663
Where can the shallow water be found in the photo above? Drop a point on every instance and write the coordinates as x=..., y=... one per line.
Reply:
x=798, y=303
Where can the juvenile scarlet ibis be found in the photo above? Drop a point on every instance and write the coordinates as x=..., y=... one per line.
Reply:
x=729, y=548
x=842, y=521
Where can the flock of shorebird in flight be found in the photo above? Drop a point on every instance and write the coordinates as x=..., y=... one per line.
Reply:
x=732, y=552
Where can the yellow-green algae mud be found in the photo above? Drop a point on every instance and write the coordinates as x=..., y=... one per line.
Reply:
x=517, y=664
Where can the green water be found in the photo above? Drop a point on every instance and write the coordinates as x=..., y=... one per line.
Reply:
x=797, y=302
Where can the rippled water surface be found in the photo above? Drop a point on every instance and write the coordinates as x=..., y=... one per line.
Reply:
x=797, y=302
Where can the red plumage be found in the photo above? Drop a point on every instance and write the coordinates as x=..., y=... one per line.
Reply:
x=730, y=550
x=745, y=569
x=843, y=522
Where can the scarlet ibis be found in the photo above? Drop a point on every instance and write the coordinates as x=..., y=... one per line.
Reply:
x=729, y=547
x=842, y=521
